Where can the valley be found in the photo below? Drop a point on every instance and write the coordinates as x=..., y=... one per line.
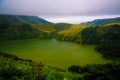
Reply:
x=32, y=48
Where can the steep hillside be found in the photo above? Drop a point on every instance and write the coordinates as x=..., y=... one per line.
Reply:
x=21, y=31
x=99, y=22
x=18, y=19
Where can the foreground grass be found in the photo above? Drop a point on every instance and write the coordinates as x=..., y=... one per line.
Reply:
x=14, y=68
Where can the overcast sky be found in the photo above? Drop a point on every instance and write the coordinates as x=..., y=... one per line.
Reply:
x=56, y=8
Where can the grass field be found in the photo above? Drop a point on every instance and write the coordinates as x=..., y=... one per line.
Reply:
x=54, y=53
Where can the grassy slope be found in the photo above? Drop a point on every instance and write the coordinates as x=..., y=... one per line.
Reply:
x=72, y=31
x=46, y=28
x=61, y=26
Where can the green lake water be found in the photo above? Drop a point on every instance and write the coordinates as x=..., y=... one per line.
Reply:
x=53, y=53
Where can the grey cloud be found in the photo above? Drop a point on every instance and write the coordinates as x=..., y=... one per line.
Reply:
x=60, y=7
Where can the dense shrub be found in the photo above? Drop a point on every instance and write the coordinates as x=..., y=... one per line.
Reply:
x=109, y=51
x=90, y=36
x=109, y=71
x=21, y=69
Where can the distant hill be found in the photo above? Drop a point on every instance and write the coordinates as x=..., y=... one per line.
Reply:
x=49, y=28
x=99, y=22
x=18, y=19
x=62, y=26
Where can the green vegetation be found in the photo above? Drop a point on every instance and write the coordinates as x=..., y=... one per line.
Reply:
x=61, y=26
x=14, y=68
x=48, y=28
x=109, y=33
x=22, y=31
x=88, y=36
x=70, y=33
x=109, y=71
x=103, y=33
x=109, y=51
x=110, y=41
x=106, y=38
x=20, y=69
